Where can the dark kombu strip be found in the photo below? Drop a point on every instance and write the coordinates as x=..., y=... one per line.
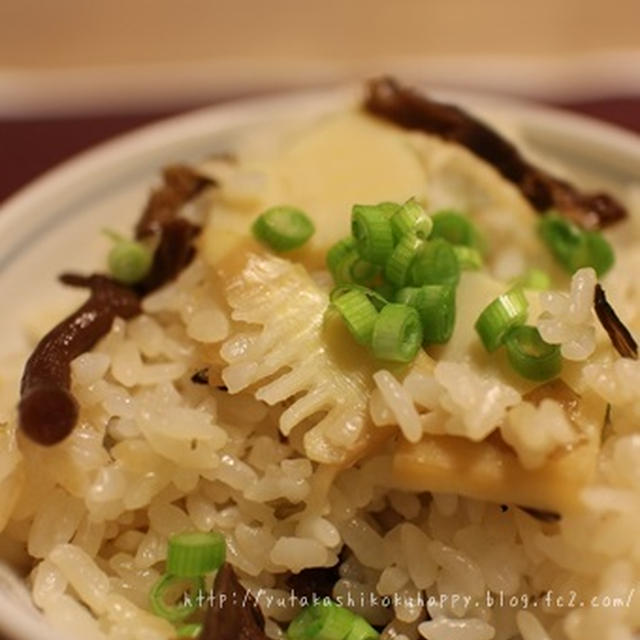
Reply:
x=409, y=109
x=621, y=338
x=234, y=614
x=47, y=411
x=180, y=184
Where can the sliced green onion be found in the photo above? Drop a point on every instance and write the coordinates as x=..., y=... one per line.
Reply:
x=342, y=271
x=386, y=290
x=362, y=630
x=375, y=297
x=283, y=228
x=531, y=356
x=363, y=272
x=566, y=241
x=601, y=256
x=195, y=553
x=388, y=208
x=183, y=606
x=397, y=268
x=456, y=229
x=129, y=261
x=469, y=258
x=435, y=263
x=358, y=313
x=436, y=306
x=338, y=252
x=372, y=231
x=574, y=248
x=411, y=218
x=346, y=265
x=534, y=279
x=407, y=295
x=192, y=630
x=322, y=621
x=397, y=333
x=500, y=316
x=353, y=268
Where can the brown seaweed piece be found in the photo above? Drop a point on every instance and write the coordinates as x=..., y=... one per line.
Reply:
x=547, y=517
x=174, y=252
x=317, y=582
x=234, y=614
x=409, y=109
x=180, y=184
x=201, y=376
x=619, y=335
x=47, y=410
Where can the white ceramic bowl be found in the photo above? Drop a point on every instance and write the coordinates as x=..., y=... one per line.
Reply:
x=54, y=224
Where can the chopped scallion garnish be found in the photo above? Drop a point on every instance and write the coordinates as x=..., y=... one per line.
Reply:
x=358, y=313
x=386, y=290
x=372, y=231
x=129, y=261
x=346, y=265
x=362, y=630
x=397, y=333
x=501, y=315
x=469, y=258
x=354, y=269
x=573, y=247
x=195, y=553
x=192, y=630
x=396, y=270
x=435, y=263
x=601, y=256
x=456, y=229
x=174, y=587
x=376, y=298
x=327, y=620
x=566, y=241
x=407, y=295
x=338, y=252
x=531, y=356
x=363, y=272
x=388, y=208
x=436, y=306
x=411, y=218
x=283, y=228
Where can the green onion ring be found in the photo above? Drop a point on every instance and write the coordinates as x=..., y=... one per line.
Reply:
x=531, y=356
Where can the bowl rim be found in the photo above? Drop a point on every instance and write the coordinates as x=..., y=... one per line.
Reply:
x=138, y=146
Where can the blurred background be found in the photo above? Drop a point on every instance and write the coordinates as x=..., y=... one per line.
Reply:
x=73, y=72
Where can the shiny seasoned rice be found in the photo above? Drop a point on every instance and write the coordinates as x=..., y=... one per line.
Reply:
x=261, y=453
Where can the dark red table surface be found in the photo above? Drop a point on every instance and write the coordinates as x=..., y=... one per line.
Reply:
x=31, y=146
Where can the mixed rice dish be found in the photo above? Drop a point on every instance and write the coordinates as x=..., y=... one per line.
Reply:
x=373, y=377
